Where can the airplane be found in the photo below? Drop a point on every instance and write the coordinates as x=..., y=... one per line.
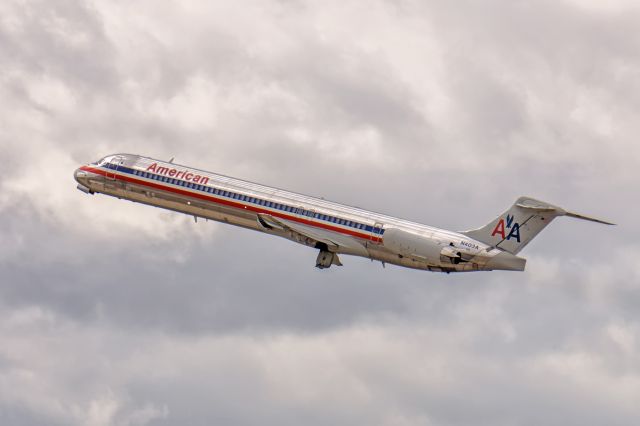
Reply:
x=331, y=228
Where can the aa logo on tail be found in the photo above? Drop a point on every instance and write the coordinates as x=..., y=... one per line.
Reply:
x=514, y=229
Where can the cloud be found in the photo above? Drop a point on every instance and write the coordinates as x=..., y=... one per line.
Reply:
x=114, y=313
x=386, y=372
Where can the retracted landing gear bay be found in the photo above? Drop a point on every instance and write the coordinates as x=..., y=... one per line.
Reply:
x=326, y=259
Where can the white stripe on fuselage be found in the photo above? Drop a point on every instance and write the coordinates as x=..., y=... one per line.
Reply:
x=310, y=203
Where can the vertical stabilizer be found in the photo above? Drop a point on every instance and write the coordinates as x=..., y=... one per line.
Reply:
x=513, y=230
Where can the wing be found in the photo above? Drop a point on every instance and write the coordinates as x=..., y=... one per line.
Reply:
x=335, y=241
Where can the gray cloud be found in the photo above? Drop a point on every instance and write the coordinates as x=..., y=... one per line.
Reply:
x=113, y=313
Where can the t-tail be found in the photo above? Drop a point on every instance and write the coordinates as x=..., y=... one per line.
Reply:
x=513, y=230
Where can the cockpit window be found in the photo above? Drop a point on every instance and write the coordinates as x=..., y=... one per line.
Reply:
x=103, y=160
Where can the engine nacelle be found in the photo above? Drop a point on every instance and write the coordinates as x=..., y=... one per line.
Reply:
x=421, y=247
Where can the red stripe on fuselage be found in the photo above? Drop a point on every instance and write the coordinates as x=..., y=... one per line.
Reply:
x=227, y=202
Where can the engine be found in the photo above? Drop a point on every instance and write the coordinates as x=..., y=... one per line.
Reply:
x=421, y=247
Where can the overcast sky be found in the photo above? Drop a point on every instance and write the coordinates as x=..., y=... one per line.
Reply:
x=113, y=313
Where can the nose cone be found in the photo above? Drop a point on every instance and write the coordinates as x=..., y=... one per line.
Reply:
x=81, y=176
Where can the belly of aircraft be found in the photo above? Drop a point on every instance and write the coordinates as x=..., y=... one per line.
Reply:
x=248, y=219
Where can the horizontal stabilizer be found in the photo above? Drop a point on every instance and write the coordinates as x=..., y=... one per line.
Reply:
x=590, y=219
x=539, y=206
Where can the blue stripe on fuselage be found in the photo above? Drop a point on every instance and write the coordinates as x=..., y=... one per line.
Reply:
x=247, y=199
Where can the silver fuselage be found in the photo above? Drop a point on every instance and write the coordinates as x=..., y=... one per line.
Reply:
x=212, y=196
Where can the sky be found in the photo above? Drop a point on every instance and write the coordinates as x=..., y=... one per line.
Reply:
x=114, y=313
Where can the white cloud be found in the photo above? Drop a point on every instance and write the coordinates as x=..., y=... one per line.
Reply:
x=377, y=373
x=119, y=314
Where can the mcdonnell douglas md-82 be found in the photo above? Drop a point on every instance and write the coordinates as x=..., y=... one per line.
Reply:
x=331, y=228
